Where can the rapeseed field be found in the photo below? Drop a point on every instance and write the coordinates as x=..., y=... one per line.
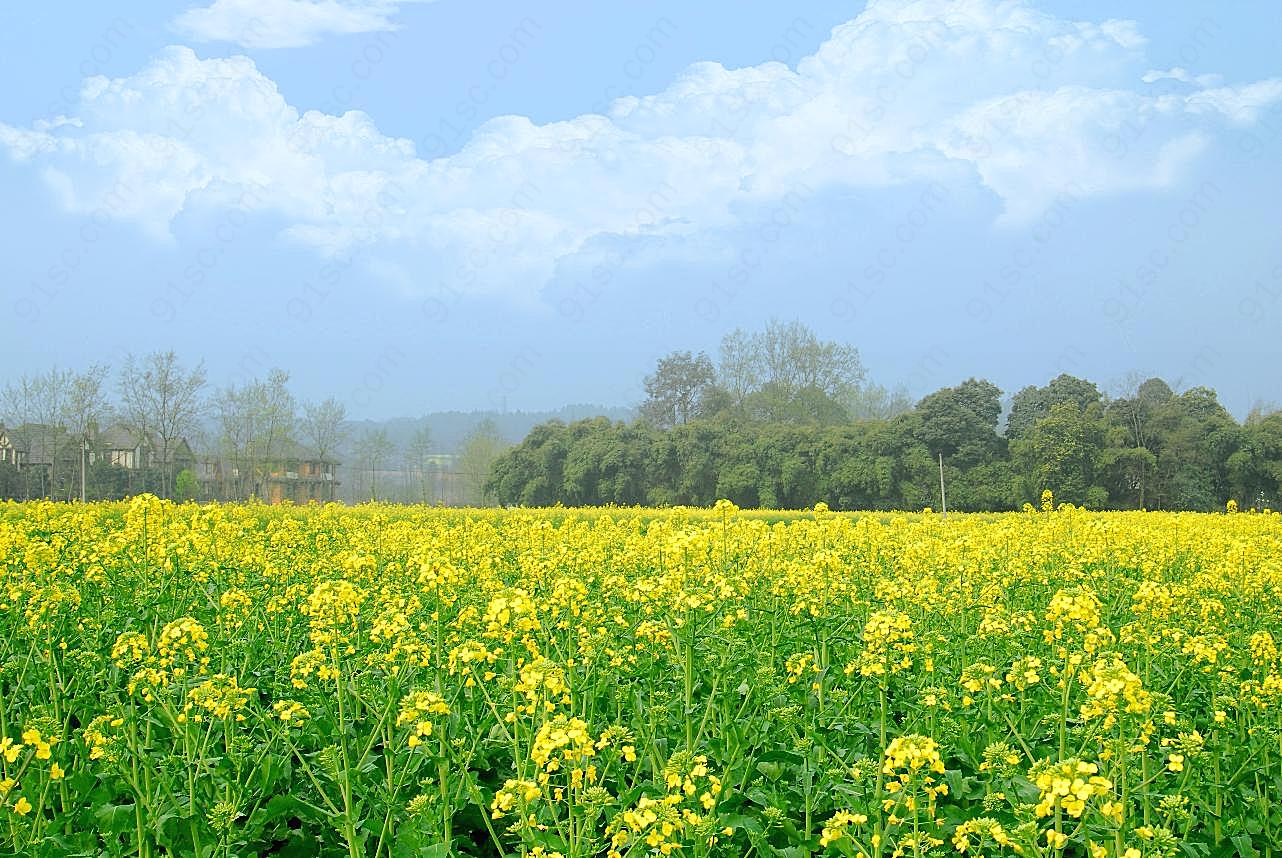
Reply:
x=245, y=680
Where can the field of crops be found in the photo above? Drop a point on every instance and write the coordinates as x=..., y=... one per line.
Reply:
x=374, y=681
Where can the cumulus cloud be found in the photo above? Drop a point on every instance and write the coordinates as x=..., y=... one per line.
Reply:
x=257, y=24
x=1182, y=75
x=1240, y=104
x=992, y=92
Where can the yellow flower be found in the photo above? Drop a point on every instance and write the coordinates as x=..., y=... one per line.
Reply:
x=22, y=807
x=1068, y=785
x=10, y=749
x=835, y=828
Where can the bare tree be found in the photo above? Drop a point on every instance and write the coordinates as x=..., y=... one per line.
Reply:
x=418, y=460
x=875, y=402
x=236, y=431
x=372, y=451
x=162, y=400
x=322, y=426
x=476, y=456
x=38, y=404
x=278, y=419
x=1261, y=409
x=258, y=421
x=86, y=406
x=738, y=365
x=788, y=357
x=793, y=357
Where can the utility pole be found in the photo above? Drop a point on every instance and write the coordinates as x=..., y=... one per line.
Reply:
x=83, y=457
x=943, y=500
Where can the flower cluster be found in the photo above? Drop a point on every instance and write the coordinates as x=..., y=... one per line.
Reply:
x=219, y=697
x=1111, y=688
x=1068, y=786
x=417, y=709
x=888, y=645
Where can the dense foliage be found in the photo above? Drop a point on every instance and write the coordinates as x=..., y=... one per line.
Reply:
x=1153, y=449
x=393, y=681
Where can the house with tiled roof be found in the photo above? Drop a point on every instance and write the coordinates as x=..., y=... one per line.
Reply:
x=129, y=448
x=300, y=474
x=47, y=460
x=293, y=473
x=45, y=456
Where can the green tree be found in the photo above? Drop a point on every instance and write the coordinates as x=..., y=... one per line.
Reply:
x=1061, y=452
x=1127, y=473
x=1255, y=470
x=186, y=486
x=961, y=421
x=776, y=403
x=676, y=388
x=530, y=473
x=1195, y=439
x=1032, y=404
x=696, y=455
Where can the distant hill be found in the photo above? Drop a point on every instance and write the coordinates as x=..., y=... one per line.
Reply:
x=449, y=428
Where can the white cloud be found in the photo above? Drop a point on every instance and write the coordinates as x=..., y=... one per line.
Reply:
x=1182, y=75
x=1242, y=105
x=259, y=24
x=981, y=91
x=1035, y=145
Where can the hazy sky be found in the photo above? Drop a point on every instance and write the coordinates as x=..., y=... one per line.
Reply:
x=429, y=205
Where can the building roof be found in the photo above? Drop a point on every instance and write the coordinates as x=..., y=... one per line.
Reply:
x=291, y=451
x=118, y=436
x=40, y=441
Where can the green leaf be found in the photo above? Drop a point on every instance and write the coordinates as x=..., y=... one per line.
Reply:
x=779, y=756
x=739, y=820
x=773, y=771
x=1244, y=847
x=412, y=842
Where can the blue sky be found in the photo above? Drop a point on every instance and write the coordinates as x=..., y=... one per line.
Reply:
x=427, y=205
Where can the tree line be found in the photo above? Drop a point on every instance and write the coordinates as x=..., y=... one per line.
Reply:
x=781, y=418
x=784, y=419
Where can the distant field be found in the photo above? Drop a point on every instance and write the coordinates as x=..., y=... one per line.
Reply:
x=402, y=681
